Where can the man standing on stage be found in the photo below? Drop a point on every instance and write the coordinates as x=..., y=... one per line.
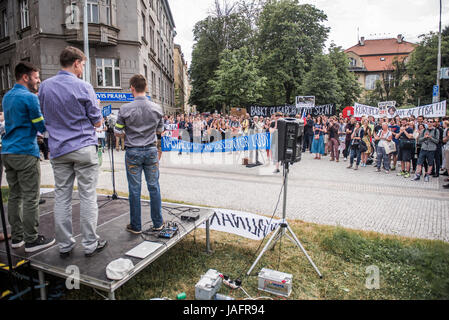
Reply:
x=140, y=121
x=20, y=155
x=72, y=113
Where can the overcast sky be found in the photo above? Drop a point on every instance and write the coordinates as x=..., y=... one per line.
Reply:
x=374, y=18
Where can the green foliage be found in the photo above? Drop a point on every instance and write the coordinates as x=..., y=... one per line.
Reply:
x=289, y=36
x=237, y=81
x=213, y=35
x=422, y=68
x=350, y=88
x=322, y=81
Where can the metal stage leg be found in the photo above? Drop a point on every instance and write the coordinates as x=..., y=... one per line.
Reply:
x=111, y=295
x=43, y=289
x=208, y=249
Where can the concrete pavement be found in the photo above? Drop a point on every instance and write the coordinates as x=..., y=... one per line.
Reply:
x=319, y=191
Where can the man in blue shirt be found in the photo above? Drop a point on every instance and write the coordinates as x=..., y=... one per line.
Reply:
x=72, y=113
x=20, y=156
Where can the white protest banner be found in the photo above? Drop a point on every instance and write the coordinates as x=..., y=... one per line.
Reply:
x=434, y=110
x=305, y=101
x=244, y=224
x=361, y=110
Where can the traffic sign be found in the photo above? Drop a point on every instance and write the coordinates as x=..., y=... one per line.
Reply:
x=436, y=89
x=444, y=73
x=107, y=110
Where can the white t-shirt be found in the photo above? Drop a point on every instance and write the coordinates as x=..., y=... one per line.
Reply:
x=383, y=138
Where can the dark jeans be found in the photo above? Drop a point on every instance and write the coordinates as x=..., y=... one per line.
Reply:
x=308, y=138
x=355, y=152
x=137, y=160
x=347, y=149
x=437, y=160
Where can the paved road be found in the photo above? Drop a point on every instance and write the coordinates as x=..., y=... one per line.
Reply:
x=319, y=191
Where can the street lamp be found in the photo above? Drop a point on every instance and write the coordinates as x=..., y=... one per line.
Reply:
x=439, y=57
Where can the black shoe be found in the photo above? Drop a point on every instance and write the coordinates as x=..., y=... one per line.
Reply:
x=100, y=246
x=40, y=243
x=445, y=173
x=446, y=186
x=15, y=244
x=65, y=255
x=129, y=228
x=435, y=175
x=42, y=201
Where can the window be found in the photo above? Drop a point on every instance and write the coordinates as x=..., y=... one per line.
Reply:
x=145, y=71
x=370, y=81
x=352, y=62
x=108, y=12
x=74, y=13
x=24, y=14
x=153, y=84
x=2, y=79
x=4, y=24
x=8, y=77
x=144, y=27
x=108, y=73
x=92, y=11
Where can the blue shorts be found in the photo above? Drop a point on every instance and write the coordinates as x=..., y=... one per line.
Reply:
x=426, y=155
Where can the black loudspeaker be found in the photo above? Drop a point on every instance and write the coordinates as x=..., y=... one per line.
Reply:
x=290, y=139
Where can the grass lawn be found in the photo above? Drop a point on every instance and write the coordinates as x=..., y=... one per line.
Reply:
x=409, y=268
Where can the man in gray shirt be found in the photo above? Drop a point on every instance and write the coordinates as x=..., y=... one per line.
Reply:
x=429, y=140
x=139, y=121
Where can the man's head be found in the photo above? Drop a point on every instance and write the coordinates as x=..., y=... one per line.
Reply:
x=73, y=60
x=138, y=84
x=420, y=119
x=353, y=120
x=27, y=75
x=403, y=122
x=430, y=123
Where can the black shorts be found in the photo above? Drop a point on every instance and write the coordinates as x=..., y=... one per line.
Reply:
x=404, y=154
x=426, y=155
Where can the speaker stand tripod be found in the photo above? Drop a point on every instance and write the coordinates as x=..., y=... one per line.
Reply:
x=282, y=230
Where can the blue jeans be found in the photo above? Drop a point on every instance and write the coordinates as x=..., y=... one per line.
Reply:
x=355, y=153
x=136, y=160
x=382, y=157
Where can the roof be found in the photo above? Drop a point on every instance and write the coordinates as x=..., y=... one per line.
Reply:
x=374, y=63
x=382, y=46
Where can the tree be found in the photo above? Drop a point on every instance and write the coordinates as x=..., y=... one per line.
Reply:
x=289, y=36
x=350, y=88
x=322, y=81
x=225, y=28
x=422, y=69
x=237, y=81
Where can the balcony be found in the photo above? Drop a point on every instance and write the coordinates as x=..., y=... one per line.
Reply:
x=99, y=34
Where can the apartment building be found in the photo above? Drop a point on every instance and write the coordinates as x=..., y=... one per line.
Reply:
x=125, y=38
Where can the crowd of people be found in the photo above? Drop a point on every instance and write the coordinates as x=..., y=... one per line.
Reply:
x=406, y=145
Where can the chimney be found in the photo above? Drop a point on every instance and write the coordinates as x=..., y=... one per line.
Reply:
x=362, y=41
x=400, y=38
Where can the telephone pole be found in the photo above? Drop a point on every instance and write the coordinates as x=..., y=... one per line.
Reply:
x=439, y=57
x=86, y=42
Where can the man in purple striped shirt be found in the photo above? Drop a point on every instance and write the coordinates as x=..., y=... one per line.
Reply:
x=71, y=112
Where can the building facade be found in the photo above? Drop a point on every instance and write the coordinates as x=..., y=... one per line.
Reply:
x=182, y=82
x=372, y=60
x=125, y=38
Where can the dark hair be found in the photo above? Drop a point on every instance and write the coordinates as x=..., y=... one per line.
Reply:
x=23, y=68
x=139, y=83
x=69, y=55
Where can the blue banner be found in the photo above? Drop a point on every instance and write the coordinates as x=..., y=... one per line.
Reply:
x=259, y=141
x=116, y=97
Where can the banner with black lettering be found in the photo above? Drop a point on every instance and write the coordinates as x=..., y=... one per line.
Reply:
x=244, y=224
x=292, y=110
x=434, y=110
